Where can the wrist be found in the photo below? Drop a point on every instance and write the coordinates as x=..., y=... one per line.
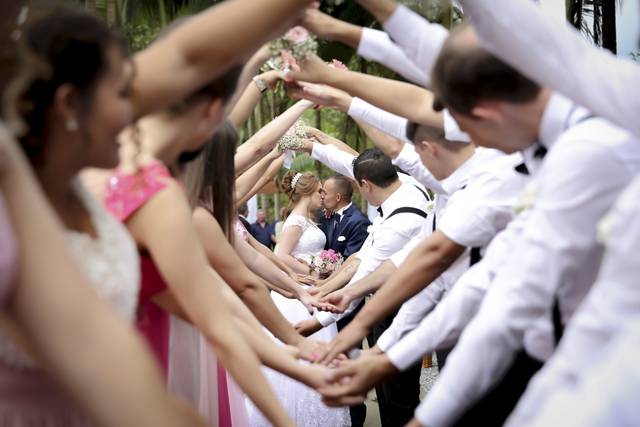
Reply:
x=343, y=103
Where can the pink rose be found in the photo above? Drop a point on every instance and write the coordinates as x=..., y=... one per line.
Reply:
x=297, y=35
x=288, y=59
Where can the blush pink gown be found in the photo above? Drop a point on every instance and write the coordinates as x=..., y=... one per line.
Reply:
x=189, y=363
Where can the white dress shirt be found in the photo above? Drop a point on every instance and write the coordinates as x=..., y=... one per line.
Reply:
x=614, y=299
x=557, y=56
x=588, y=165
x=422, y=43
x=482, y=192
x=420, y=46
x=388, y=235
x=605, y=395
x=375, y=45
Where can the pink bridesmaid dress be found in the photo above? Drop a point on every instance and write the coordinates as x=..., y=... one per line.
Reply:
x=189, y=364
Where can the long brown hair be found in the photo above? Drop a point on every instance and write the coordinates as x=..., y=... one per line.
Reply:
x=304, y=186
x=210, y=178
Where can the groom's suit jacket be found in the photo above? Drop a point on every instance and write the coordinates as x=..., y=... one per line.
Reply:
x=347, y=235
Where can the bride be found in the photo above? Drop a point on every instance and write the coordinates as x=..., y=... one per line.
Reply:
x=301, y=238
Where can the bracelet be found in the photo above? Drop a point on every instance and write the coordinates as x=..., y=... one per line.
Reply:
x=260, y=84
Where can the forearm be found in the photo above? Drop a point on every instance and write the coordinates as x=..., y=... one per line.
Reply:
x=294, y=264
x=422, y=266
x=267, y=137
x=389, y=145
x=381, y=9
x=263, y=250
x=271, y=172
x=341, y=278
x=390, y=124
x=409, y=101
x=245, y=105
x=248, y=180
x=370, y=283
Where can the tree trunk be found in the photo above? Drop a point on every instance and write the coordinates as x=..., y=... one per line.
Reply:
x=609, y=32
x=574, y=13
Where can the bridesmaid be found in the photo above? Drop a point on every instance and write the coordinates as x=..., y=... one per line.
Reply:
x=43, y=294
x=69, y=107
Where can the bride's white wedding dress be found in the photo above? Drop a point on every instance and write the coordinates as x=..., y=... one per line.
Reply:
x=303, y=404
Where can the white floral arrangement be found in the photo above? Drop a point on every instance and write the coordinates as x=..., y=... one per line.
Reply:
x=295, y=46
x=294, y=138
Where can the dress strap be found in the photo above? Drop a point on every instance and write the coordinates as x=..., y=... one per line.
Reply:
x=126, y=193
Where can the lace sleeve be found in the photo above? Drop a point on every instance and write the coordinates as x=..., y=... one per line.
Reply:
x=295, y=221
x=125, y=194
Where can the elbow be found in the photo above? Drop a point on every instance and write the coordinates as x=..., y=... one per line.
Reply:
x=251, y=291
x=395, y=149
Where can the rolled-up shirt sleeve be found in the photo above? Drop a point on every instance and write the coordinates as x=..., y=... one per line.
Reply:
x=385, y=121
x=334, y=158
x=375, y=45
x=556, y=241
x=422, y=44
x=409, y=161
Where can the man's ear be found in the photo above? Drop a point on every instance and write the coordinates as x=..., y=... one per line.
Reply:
x=430, y=147
x=490, y=111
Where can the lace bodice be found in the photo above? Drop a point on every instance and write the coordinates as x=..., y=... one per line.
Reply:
x=312, y=239
x=8, y=253
x=110, y=263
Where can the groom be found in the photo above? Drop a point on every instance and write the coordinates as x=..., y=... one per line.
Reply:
x=345, y=226
x=346, y=229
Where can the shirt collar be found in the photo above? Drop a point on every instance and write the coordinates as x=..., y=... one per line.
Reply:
x=458, y=179
x=555, y=119
x=395, y=200
x=342, y=211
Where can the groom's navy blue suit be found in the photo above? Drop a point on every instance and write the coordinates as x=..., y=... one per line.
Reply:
x=347, y=235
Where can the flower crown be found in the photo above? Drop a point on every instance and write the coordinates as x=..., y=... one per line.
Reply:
x=295, y=180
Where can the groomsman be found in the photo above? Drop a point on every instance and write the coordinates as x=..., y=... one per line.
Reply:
x=346, y=227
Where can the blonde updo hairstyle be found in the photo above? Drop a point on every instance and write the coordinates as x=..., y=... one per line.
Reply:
x=297, y=188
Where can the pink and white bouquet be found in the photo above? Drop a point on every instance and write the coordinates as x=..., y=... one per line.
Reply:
x=295, y=46
x=325, y=263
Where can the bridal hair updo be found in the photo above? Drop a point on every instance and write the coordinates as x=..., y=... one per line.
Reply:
x=298, y=185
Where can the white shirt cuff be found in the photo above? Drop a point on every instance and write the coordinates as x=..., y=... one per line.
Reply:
x=372, y=42
x=437, y=410
x=326, y=318
x=400, y=358
x=399, y=21
x=452, y=131
x=385, y=341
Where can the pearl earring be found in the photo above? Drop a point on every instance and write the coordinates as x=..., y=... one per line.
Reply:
x=71, y=125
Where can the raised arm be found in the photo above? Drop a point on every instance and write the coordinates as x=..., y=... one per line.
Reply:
x=202, y=48
x=271, y=172
x=410, y=101
x=100, y=361
x=266, y=138
x=164, y=226
x=371, y=44
x=249, y=179
x=251, y=96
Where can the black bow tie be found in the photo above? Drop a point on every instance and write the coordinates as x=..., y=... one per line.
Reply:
x=540, y=153
x=380, y=210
